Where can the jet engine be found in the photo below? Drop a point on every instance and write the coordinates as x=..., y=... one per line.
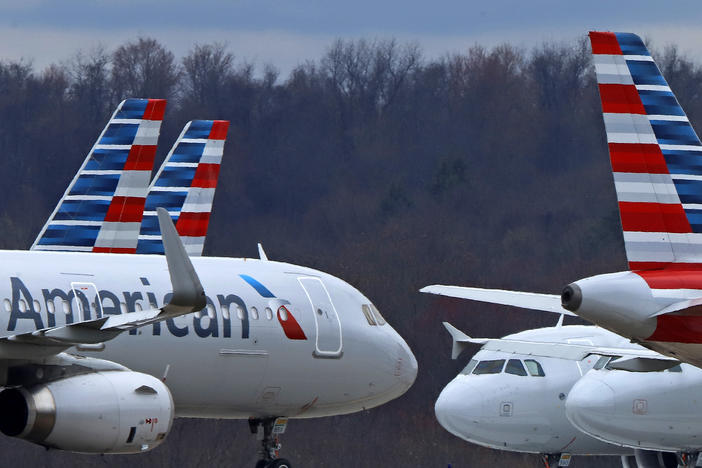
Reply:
x=101, y=412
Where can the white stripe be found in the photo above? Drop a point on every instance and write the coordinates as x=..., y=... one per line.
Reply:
x=133, y=184
x=126, y=121
x=639, y=58
x=147, y=237
x=88, y=197
x=646, y=192
x=181, y=164
x=161, y=188
x=112, y=147
x=652, y=87
x=631, y=138
x=674, y=118
x=681, y=147
x=677, y=293
x=194, y=140
x=74, y=222
x=686, y=176
x=64, y=247
x=675, y=237
x=153, y=213
x=692, y=206
x=97, y=172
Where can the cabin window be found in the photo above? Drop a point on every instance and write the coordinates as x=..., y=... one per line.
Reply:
x=211, y=311
x=225, y=311
x=369, y=315
x=534, y=368
x=37, y=306
x=8, y=305
x=601, y=362
x=198, y=314
x=254, y=313
x=515, y=367
x=240, y=312
x=469, y=368
x=67, y=307
x=489, y=367
x=137, y=306
x=376, y=313
x=49, y=306
x=269, y=313
x=22, y=305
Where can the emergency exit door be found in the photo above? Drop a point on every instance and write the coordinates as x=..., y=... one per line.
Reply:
x=328, y=340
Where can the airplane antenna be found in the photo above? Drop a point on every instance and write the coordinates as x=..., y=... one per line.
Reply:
x=262, y=253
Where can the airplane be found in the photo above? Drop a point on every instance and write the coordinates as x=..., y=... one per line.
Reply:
x=206, y=337
x=653, y=151
x=516, y=401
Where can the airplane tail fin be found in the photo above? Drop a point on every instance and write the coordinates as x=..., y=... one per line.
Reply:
x=103, y=206
x=185, y=186
x=655, y=153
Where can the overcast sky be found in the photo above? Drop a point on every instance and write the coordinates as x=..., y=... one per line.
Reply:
x=288, y=32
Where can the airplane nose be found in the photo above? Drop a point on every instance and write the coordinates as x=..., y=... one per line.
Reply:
x=406, y=366
x=590, y=404
x=459, y=408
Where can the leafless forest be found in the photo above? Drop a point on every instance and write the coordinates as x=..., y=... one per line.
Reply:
x=373, y=163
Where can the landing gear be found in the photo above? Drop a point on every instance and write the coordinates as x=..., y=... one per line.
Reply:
x=267, y=431
x=688, y=460
x=554, y=460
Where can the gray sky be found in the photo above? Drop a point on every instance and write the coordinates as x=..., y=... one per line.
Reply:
x=288, y=32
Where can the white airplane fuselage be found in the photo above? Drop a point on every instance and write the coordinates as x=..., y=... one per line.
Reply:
x=642, y=410
x=275, y=340
x=525, y=413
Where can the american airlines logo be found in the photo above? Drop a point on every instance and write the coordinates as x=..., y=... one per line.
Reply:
x=86, y=303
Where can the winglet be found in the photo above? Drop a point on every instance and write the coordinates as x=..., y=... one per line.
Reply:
x=460, y=340
x=262, y=253
x=187, y=289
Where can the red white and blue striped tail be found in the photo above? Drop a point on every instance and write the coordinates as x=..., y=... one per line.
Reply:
x=655, y=153
x=185, y=186
x=102, y=209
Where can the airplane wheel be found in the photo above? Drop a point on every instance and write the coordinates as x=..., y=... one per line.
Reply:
x=280, y=463
x=261, y=464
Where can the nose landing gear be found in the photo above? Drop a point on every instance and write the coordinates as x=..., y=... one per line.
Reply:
x=270, y=445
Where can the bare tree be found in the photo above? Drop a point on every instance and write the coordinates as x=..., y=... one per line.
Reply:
x=144, y=68
x=207, y=68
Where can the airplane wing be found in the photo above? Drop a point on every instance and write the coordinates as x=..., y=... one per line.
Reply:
x=633, y=359
x=188, y=296
x=525, y=300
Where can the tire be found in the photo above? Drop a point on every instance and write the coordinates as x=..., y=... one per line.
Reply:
x=262, y=464
x=280, y=463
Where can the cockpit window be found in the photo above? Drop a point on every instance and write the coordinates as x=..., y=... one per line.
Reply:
x=489, y=367
x=376, y=313
x=601, y=362
x=515, y=367
x=469, y=368
x=369, y=315
x=534, y=368
x=675, y=368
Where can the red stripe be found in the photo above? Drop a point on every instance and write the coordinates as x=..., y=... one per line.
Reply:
x=633, y=266
x=678, y=329
x=653, y=217
x=125, y=210
x=126, y=250
x=621, y=99
x=193, y=224
x=219, y=130
x=206, y=176
x=291, y=328
x=604, y=43
x=637, y=157
x=155, y=109
x=674, y=276
x=140, y=158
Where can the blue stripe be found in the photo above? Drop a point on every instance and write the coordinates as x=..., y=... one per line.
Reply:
x=150, y=227
x=132, y=109
x=83, y=236
x=90, y=184
x=149, y=246
x=188, y=152
x=631, y=44
x=694, y=217
x=199, y=129
x=689, y=191
x=645, y=73
x=683, y=162
x=107, y=160
x=261, y=289
x=674, y=133
x=84, y=210
x=660, y=103
x=119, y=134
x=171, y=201
x=176, y=177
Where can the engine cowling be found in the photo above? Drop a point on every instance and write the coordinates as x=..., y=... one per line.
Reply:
x=101, y=412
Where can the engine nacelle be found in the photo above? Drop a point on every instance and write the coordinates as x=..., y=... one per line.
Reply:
x=101, y=412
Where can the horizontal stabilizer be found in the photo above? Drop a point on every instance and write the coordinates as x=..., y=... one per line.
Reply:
x=635, y=359
x=525, y=300
x=687, y=305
